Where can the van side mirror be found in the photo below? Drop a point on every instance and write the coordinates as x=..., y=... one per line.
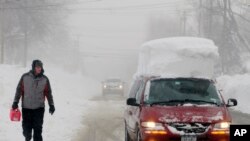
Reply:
x=132, y=102
x=231, y=102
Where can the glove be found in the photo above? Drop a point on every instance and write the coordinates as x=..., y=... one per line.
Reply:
x=14, y=105
x=51, y=109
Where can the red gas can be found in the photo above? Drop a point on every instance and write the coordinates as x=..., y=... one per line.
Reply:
x=15, y=115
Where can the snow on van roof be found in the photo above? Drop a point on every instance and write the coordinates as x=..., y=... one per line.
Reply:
x=178, y=57
x=187, y=46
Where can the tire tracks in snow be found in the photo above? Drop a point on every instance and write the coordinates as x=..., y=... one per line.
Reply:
x=104, y=121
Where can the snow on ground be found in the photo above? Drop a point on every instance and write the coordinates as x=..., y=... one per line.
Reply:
x=71, y=94
x=236, y=86
x=104, y=121
x=178, y=57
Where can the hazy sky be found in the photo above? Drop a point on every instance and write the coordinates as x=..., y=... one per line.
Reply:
x=116, y=23
x=110, y=32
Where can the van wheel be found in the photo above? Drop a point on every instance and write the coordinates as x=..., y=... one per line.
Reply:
x=127, y=137
x=139, y=136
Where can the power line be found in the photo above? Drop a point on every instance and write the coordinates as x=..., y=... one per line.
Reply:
x=156, y=5
x=120, y=12
x=136, y=7
x=50, y=5
x=108, y=55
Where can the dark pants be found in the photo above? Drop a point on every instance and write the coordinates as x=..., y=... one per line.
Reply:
x=33, y=119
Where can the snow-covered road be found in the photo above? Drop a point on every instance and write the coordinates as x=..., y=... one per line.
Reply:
x=104, y=121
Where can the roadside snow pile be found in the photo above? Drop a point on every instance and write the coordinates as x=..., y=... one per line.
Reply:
x=178, y=57
x=236, y=87
x=71, y=93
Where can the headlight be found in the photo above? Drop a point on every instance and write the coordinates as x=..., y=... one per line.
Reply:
x=222, y=126
x=152, y=125
x=120, y=86
x=104, y=86
x=148, y=124
x=153, y=128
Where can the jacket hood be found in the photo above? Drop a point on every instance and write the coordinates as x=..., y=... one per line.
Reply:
x=34, y=64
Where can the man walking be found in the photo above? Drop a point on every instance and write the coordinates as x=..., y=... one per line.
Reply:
x=33, y=88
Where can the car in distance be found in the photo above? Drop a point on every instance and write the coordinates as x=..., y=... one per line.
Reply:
x=176, y=109
x=113, y=86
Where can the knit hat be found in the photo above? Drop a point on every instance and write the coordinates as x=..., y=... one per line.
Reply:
x=36, y=63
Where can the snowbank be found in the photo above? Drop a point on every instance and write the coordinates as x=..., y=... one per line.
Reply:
x=179, y=56
x=71, y=93
x=236, y=86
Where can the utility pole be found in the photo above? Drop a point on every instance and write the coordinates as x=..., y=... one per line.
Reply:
x=200, y=14
x=77, y=41
x=2, y=14
x=210, y=22
x=224, y=37
x=25, y=35
x=184, y=22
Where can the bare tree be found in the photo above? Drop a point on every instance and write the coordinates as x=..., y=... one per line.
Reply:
x=221, y=25
x=24, y=23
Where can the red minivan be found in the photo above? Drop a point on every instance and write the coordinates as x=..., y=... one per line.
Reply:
x=176, y=109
